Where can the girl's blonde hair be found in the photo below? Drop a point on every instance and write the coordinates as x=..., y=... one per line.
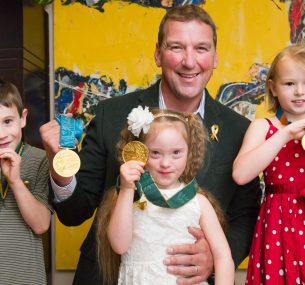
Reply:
x=196, y=138
x=295, y=52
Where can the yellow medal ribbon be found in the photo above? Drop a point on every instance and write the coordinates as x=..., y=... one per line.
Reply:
x=4, y=193
x=214, y=129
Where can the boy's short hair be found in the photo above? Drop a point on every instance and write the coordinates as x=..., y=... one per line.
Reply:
x=10, y=96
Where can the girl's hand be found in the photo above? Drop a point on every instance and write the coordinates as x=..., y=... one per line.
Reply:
x=296, y=130
x=130, y=172
x=10, y=165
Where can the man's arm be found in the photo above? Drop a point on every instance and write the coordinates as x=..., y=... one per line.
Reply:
x=81, y=205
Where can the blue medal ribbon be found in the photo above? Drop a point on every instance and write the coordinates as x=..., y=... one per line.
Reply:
x=281, y=117
x=70, y=129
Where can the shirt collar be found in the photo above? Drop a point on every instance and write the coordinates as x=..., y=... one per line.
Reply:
x=199, y=111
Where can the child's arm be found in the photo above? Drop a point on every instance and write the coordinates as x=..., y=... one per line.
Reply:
x=121, y=222
x=256, y=153
x=35, y=214
x=223, y=262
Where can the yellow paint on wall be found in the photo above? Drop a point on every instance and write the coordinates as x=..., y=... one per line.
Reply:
x=120, y=43
x=249, y=31
x=68, y=242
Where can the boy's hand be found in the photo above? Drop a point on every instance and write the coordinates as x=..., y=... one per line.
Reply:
x=193, y=261
x=10, y=165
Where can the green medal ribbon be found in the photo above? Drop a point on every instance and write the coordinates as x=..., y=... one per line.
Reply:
x=152, y=193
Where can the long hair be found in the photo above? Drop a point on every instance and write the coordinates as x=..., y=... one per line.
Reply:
x=196, y=138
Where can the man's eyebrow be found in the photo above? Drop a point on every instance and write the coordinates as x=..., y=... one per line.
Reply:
x=202, y=43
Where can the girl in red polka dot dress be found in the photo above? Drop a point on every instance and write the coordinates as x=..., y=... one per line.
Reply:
x=274, y=146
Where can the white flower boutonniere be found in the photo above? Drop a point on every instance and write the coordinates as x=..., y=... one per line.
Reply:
x=139, y=119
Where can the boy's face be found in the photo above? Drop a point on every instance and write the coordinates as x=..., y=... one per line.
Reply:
x=11, y=125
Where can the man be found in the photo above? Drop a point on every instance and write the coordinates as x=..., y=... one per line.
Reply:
x=186, y=52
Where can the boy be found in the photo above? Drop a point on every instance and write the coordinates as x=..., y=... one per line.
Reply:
x=25, y=212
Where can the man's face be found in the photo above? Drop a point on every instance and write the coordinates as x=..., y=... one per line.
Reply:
x=187, y=57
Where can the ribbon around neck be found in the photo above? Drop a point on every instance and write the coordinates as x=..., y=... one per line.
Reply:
x=282, y=117
x=69, y=130
x=152, y=193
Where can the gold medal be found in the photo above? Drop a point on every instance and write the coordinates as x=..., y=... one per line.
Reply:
x=66, y=163
x=135, y=150
x=303, y=142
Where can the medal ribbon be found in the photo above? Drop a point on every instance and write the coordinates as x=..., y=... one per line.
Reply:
x=281, y=117
x=152, y=193
x=69, y=130
x=4, y=184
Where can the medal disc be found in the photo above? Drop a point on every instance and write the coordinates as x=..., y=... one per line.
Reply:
x=303, y=142
x=135, y=150
x=66, y=163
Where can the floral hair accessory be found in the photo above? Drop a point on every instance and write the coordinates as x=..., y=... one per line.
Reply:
x=139, y=119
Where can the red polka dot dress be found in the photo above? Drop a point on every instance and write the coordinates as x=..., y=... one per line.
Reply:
x=277, y=253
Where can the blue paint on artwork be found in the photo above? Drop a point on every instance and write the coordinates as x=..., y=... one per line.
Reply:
x=80, y=95
x=244, y=96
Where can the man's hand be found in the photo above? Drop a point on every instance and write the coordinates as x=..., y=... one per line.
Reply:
x=193, y=261
x=50, y=135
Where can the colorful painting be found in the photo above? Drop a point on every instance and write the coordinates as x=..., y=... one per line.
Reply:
x=105, y=48
x=98, y=4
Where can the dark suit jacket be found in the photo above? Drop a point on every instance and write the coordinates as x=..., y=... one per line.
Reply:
x=99, y=168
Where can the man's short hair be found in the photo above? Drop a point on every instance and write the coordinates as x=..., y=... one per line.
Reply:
x=187, y=13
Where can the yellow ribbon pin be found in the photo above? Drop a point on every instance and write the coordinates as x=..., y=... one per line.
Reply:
x=214, y=133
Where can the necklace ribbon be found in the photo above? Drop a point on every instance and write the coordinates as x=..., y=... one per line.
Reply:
x=69, y=130
x=152, y=193
x=3, y=183
x=282, y=117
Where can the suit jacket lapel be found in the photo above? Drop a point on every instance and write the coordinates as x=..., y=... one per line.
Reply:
x=212, y=115
x=150, y=96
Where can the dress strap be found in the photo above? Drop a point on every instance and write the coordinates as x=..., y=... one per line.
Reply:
x=269, y=122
